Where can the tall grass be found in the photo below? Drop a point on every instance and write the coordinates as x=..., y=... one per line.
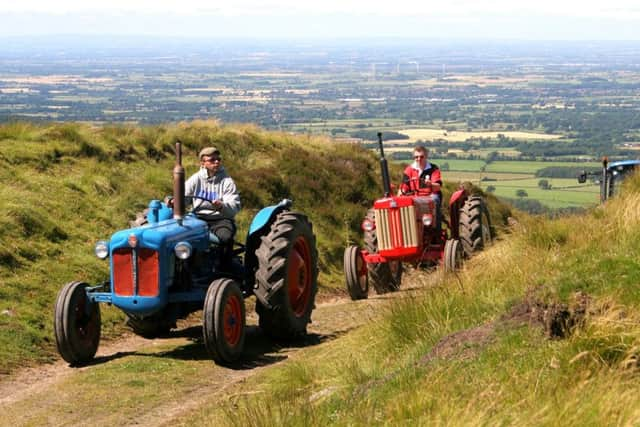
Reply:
x=462, y=353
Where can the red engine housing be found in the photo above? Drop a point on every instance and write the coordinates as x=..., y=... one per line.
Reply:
x=401, y=231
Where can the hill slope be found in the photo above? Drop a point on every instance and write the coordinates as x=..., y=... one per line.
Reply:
x=65, y=186
x=543, y=328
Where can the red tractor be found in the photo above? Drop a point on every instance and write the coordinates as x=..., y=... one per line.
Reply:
x=404, y=229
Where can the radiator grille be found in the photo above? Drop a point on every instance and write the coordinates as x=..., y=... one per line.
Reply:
x=147, y=272
x=143, y=280
x=396, y=228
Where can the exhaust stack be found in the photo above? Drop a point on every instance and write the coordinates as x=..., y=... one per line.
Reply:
x=178, y=185
x=604, y=185
x=386, y=183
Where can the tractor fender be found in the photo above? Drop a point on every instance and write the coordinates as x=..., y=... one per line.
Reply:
x=457, y=195
x=265, y=215
x=456, y=202
x=259, y=227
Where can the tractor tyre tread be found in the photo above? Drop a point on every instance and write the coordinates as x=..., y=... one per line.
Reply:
x=474, y=217
x=280, y=321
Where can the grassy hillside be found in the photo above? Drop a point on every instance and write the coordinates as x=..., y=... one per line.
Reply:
x=65, y=186
x=543, y=328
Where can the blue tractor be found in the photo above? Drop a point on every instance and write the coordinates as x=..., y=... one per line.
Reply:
x=173, y=266
x=610, y=176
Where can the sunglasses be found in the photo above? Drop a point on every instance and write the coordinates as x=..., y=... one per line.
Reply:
x=212, y=159
x=418, y=157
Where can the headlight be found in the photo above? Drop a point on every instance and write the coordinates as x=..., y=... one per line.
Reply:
x=427, y=220
x=102, y=249
x=368, y=225
x=183, y=250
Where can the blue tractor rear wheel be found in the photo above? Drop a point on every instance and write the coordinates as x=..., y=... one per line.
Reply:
x=76, y=324
x=288, y=273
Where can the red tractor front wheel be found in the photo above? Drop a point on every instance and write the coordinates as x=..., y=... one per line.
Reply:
x=355, y=272
x=453, y=254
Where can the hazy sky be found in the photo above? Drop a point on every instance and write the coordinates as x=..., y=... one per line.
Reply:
x=503, y=19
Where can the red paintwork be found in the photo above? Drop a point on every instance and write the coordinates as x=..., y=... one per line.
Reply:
x=455, y=203
x=123, y=272
x=457, y=195
x=233, y=321
x=423, y=205
x=299, y=276
x=147, y=268
x=148, y=273
x=388, y=202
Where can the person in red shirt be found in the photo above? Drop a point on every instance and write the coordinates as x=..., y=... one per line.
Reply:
x=423, y=178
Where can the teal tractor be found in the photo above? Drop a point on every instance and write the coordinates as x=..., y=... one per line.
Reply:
x=173, y=266
x=610, y=176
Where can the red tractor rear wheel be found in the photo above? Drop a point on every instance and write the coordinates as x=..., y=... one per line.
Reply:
x=355, y=271
x=475, y=226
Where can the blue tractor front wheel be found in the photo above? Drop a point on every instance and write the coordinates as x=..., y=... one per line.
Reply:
x=223, y=321
x=76, y=324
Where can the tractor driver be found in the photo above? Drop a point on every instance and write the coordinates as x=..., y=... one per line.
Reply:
x=215, y=196
x=423, y=178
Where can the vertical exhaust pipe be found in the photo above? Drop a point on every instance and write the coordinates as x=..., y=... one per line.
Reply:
x=386, y=182
x=178, y=185
x=604, y=185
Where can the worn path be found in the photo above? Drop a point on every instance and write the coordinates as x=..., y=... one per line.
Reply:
x=136, y=381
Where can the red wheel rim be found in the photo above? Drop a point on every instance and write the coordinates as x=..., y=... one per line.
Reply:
x=299, y=276
x=232, y=319
x=394, y=266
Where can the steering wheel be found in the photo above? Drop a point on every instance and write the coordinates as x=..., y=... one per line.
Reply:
x=196, y=209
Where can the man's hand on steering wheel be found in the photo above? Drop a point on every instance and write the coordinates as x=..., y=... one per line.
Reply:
x=216, y=204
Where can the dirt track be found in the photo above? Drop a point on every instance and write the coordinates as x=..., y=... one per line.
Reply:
x=56, y=394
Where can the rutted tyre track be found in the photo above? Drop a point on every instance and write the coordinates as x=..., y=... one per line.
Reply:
x=46, y=395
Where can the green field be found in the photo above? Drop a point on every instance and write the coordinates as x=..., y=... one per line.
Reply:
x=507, y=177
x=533, y=167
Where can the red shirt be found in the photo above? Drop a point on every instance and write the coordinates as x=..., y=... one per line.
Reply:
x=414, y=178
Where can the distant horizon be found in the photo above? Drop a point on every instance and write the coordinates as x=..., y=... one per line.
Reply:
x=618, y=20
x=81, y=38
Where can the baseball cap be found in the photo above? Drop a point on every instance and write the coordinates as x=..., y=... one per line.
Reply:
x=208, y=151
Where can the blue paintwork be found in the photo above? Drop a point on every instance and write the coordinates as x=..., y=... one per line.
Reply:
x=162, y=237
x=265, y=215
x=158, y=212
x=161, y=234
x=623, y=163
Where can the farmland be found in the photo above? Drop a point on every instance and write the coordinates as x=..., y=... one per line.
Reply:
x=480, y=107
x=508, y=180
